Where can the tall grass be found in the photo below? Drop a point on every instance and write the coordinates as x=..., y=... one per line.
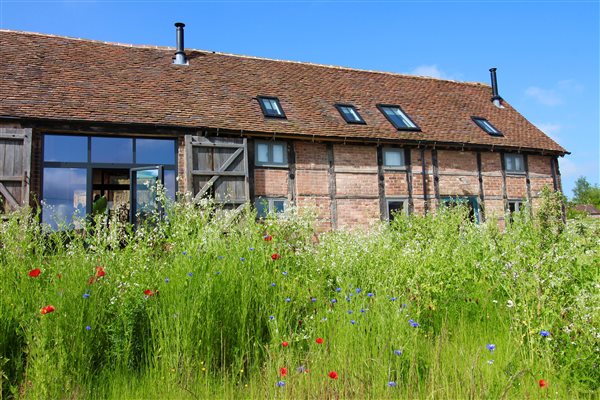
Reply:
x=220, y=309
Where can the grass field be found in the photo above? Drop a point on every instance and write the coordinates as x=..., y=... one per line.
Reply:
x=204, y=306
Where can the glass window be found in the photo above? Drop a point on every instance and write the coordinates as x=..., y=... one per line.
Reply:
x=397, y=117
x=65, y=148
x=112, y=150
x=393, y=158
x=155, y=151
x=395, y=206
x=467, y=201
x=271, y=153
x=271, y=107
x=486, y=126
x=262, y=152
x=170, y=183
x=64, y=197
x=349, y=114
x=514, y=163
x=268, y=205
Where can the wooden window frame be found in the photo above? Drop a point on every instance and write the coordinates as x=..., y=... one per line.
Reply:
x=270, y=162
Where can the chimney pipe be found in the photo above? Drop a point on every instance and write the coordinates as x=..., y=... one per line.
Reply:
x=180, y=57
x=496, y=99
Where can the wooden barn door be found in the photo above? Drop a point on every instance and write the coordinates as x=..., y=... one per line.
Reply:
x=218, y=167
x=15, y=162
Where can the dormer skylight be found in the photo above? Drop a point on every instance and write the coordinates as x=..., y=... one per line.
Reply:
x=486, y=126
x=397, y=117
x=350, y=114
x=271, y=107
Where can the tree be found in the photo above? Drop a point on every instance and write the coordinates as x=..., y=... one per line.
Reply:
x=584, y=193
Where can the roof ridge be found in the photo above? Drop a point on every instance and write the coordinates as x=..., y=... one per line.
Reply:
x=147, y=46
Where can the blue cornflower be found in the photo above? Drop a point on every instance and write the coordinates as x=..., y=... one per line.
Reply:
x=544, y=333
x=313, y=299
x=413, y=323
x=271, y=317
x=218, y=273
x=284, y=273
x=352, y=321
x=348, y=298
x=392, y=384
x=362, y=310
x=491, y=347
x=88, y=328
x=287, y=299
x=242, y=259
x=167, y=280
x=301, y=368
x=273, y=284
x=333, y=301
x=370, y=294
x=398, y=352
x=349, y=311
x=393, y=298
x=280, y=384
x=251, y=248
x=190, y=274
x=220, y=257
x=403, y=305
x=184, y=253
x=338, y=289
x=86, y=295
x=358, y=290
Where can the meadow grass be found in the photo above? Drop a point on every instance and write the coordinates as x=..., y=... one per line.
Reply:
x=196, y=306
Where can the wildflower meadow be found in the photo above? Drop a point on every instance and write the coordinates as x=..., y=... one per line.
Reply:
x=207, y=303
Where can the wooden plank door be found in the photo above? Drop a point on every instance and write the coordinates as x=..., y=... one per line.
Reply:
x=15, y=165
x=218, y=167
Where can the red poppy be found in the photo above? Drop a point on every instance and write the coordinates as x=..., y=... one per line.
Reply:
x=148, y=292
x=275, y=256
x=319, y=340
x=543, y=383
x=283, y=371
x=268, y=238
x=47, y=309
x=100, y=271
x=333, y=375
x=285, y=344
x=34, y=273
x=91, y=280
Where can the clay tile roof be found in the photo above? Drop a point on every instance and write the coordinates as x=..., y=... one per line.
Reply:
x=59, y=78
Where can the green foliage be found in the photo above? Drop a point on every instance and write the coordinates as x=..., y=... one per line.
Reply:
x=213, y=323
x=585, y=193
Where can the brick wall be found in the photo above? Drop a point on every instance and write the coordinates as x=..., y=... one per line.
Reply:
x=312, y=181
x=355, y=200
x=271, y=182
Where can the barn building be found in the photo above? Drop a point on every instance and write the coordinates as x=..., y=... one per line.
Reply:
x=82, y=118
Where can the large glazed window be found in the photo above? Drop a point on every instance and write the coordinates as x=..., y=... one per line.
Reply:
x=60, y=148
x=64, y=197
x=80, y=170
x=154, y=151
x=112, y=150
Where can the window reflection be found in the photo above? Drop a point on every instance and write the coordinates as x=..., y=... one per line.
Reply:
x=65, y=148
x=112, y=150
x=170, y=183
x=155, y=151
x=64, y=196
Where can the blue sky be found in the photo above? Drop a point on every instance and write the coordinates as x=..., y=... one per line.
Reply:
x=547, y=52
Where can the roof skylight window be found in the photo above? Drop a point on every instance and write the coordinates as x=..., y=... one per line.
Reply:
x=350, y=114
x=271, y=107
x=486, y=126
x=398, y=118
